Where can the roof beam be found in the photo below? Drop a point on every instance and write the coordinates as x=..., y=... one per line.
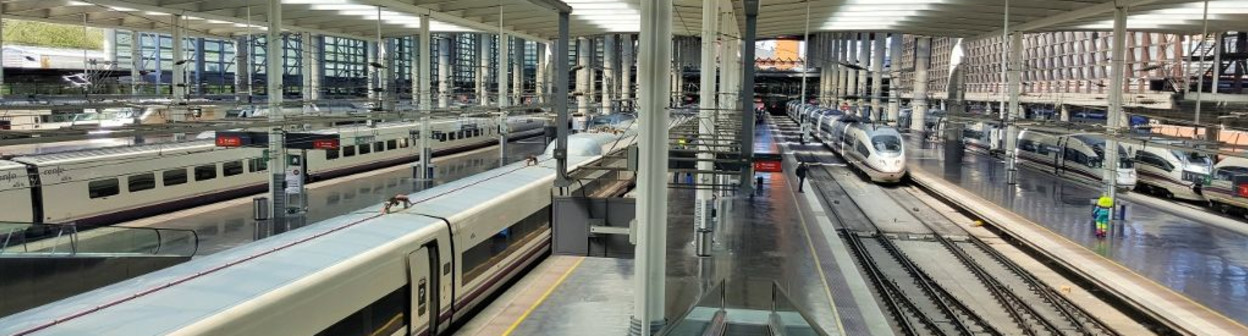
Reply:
x=1073, y=15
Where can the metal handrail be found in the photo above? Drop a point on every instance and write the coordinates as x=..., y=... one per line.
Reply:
x=775, y=323
x=71, y=231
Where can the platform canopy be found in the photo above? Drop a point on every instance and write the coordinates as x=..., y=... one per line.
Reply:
x=535, y=19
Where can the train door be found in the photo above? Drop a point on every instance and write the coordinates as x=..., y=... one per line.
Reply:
x=423, y=279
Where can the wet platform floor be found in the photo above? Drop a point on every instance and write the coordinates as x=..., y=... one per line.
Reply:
x=1203, y=262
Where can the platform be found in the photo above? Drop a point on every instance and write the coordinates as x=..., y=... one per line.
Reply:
x=772, y=237
x=228, y=224
x=1190, y=272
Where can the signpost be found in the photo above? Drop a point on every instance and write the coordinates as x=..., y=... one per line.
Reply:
x=296, y=175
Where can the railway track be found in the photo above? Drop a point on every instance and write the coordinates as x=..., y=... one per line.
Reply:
x=1036, y=309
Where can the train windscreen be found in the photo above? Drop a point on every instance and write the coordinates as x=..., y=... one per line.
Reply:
x=887, y=145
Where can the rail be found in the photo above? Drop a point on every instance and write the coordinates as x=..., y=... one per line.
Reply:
x=29, y=239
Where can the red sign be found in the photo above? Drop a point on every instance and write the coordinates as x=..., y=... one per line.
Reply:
x=1242, y=190
x=768, y=166
x=229, y=141
x=325, y=144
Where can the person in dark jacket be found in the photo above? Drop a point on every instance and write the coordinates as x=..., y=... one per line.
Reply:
x=801, y=176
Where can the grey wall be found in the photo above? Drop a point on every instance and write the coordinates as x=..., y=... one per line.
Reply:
x=572, y=217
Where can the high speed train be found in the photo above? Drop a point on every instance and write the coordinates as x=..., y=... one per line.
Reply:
x=876, y=150
x=1228, y=186
x=105, y=186
x=1076, y=156
x=414, y=271
x=1171, y=172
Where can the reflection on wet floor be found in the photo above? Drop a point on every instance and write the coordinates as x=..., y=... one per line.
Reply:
x=1203, y=262
x=225, y=228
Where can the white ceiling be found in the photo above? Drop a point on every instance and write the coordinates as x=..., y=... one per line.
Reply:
x=531, y=19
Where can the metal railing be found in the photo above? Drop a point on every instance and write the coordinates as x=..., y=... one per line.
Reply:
x=709, y=316
x=28, y=239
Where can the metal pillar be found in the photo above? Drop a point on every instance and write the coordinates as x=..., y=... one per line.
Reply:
x=923, y=56
x=559, y=96
x=877, y=77
x=651, y=250
x=422, y=87
x=1065, y=113
x=504, y=91
x=1217, y=60
x=308, y=88
x=582, y=76
x=1016, y=110
x=136, y=62
x=864, y=56
x=703, y=202
x=802, y=94
x=277, y=152
x=444, y=72
x=178, y=90
x=242, y=67
x=608, y=73
x=843, y=74
x=1114, y=118
x=1005, y=56
x=372, y=73
x=747, y=94
x=626, y=67
x=483, y=67
x=894, y=94
x=539, y=79
x=517, y=72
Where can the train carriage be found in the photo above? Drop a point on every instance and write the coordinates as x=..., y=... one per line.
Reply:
x=1076, y=156
x=1171, y=173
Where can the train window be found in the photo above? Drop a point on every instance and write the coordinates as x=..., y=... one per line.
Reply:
x=863, y=150
x=1026, y=145
x=205, y=172
x=403, y=143
x=386, y=316
x=479, y=258
x=364, y=149
x=103, y=188
x=174, y=177
x=232, y=168
x=348, y=151
x=379, y=146
x=257, y=165
x=141, y=182
x=476, y=132
x=392, y=144
x=331, y=154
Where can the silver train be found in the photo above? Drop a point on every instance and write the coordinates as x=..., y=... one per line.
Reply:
x=876, y=150
x=415, y=271
x=110, y=185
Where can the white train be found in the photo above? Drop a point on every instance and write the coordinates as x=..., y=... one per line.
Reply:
x=1227, y=190
x=1171, y=173
x=412, y=272
x=876, y=150
x=105, y=186
x=1077, y=156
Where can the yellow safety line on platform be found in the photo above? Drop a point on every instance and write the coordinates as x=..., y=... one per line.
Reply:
x=543, y=298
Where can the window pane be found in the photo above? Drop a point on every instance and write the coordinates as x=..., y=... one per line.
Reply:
x=205, y=172
x=141, y=182
x=174, y=177
x=379, y=146
x=103, y=188
x=348, y=151
x=331, y=154
x=392, y=144
x=365, y=149
x=232, y=168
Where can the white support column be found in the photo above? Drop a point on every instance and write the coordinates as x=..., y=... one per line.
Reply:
x=385, y=80
x=539, y=79
x=178, y=90
x=306, y=60
x=1217, y=61
x=582, y=76
x=444, y=72
x=918, y=105
x=704, y=199
x=608, y=73
x=136, y=61
x=844, y=73
x=483, y=67
x=651, y=249
x=877, y=77
x=864, y=57
x=504, y=64
x=894, y=94
x=277, y=150
x=626, y=67
x=517, y=72
x=134, y=41
x=1065, y=113
x=422, y=87
x=242, y=66
x=372, y=72
x=1114, y=117
x=1014, y=63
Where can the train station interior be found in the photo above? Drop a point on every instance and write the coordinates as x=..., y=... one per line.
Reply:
x=623, y=167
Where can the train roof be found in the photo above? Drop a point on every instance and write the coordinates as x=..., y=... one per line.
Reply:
x=184, y=294
x=122, y=151
x=6, y=165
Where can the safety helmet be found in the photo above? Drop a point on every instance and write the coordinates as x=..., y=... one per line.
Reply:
x=1105, y=202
